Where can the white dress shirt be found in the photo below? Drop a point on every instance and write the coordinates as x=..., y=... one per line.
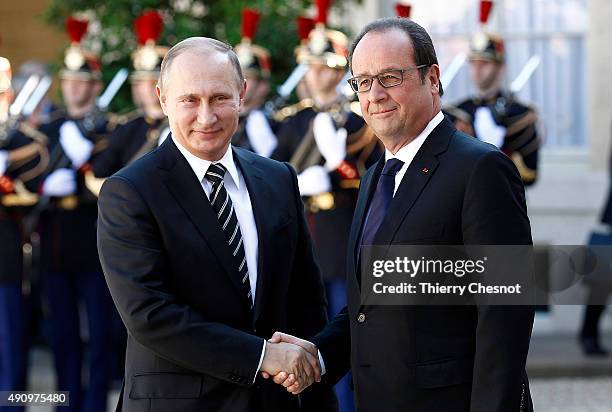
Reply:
x=407, y=153
x=237, y=190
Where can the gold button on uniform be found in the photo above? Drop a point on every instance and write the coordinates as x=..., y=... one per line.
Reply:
x=361, y=318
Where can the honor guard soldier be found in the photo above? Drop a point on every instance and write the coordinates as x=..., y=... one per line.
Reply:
x=70, y=268
x=23, y=157
x=494, y=115
x=255, y=129
x=138, y=135
x=330, y=147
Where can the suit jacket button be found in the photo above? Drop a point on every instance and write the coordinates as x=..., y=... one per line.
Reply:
x=361, y=318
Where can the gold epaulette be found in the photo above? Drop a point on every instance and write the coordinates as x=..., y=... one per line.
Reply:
x=292, y=110
x=118, y=119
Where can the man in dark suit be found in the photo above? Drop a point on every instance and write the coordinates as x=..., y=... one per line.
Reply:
x=205, y=251
x=435, y=185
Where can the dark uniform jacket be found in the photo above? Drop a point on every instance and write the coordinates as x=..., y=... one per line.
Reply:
x=68, y=224
x=521, y=142
x=24, y=174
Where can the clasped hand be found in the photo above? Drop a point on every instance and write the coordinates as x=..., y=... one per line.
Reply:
x=291, y=362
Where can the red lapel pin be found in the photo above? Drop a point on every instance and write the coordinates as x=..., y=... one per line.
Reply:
x=425, y=170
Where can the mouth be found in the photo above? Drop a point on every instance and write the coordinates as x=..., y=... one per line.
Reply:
x=205, y=133
x=383, y=112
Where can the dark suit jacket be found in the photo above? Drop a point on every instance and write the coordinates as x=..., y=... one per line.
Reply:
x=193, y=343
x=438, y=358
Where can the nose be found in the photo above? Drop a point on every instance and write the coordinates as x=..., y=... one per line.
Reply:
x=377, y=93
x=206, y=115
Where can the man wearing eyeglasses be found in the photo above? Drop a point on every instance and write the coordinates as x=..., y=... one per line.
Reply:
x=435, y=185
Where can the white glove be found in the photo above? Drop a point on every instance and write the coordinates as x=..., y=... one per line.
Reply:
x=75, y=145
x=261, y=137
x=313, y=181
x=486, y=129
x=61, y=182
x=331, y=142
x=3, y=161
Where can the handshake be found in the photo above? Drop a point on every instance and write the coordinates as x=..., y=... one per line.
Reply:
x=291, y=362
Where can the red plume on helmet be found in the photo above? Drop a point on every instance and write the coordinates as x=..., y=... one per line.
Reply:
x=76, y=28
x=250, y=22
x=403, y=10
x=148, y=27
x=322, y=10
x=485, y=10
x=304, y=26
x=78, y=62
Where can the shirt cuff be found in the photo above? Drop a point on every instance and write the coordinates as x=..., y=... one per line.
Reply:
x=321, y=362
x=263, y=352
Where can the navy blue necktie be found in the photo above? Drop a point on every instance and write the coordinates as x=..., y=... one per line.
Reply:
x=381, y=200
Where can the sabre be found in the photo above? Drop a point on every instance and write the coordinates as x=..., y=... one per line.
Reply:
x=112, y=89
x=525, y=74
x=285, y=89
x=453, y=68
x=24, y=95
x=37, y=96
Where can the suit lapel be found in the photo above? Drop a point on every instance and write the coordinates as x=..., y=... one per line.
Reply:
x=258, y=192
x=188, y=193
x=419, y=173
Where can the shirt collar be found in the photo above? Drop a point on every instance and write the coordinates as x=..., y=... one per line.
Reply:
x=409, y=151
x=200, y=166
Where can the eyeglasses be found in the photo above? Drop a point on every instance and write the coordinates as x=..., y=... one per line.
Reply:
x=388, y=78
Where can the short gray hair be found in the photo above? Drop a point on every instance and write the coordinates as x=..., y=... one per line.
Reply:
x=199, y=44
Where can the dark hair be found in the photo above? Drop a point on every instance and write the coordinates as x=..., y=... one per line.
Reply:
x=199, y=44
x=424, y=52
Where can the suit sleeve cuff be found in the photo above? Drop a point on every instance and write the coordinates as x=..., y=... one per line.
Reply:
x=263, y=352
x=321, y=363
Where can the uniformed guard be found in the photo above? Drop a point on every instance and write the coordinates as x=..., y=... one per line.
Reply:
x=70, y=268
x=330, y=146
x=142, y=131
x=22, y=160
x=256, y=131
x=494, y=115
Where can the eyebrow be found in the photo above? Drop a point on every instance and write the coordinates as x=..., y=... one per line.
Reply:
x=386, y=69
x=191, y=95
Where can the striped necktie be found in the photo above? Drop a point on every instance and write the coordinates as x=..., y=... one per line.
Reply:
x=224, y=208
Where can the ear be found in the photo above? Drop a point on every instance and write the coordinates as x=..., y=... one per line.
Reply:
x=162, y=99
x=241, y=94
x=433, y=75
